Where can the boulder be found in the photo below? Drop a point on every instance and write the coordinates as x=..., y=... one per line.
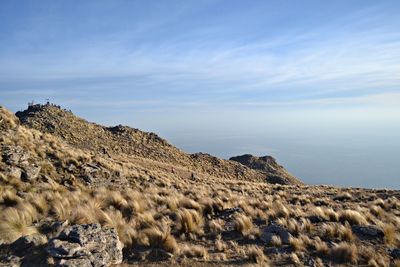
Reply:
x=274, y=229
x=30, y=173
x=15, y=172
x=86, y=245
x=395, y=253
x=64, y=249
x=368, y=232
x=15, y=155
x=74, y=263
x=24, y=243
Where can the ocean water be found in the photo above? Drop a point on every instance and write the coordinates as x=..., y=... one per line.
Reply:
x=357, y=148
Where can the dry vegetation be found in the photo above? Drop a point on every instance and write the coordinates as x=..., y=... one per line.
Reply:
x=157, y=210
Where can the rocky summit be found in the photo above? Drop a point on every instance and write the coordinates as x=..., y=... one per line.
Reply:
x=75, y=193
x=274, y=173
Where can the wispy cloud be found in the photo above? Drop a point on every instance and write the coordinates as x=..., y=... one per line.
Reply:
x=300, y=66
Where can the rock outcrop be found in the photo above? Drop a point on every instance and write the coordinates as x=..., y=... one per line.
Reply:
x=274, y=173
x=86, y=245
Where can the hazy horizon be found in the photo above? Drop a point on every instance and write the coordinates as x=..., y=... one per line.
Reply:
x=314, y=84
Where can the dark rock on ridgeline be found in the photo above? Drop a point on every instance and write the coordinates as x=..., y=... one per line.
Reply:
x=86, y=245
x=274, y=173
x=274, y=229
x=368, y=232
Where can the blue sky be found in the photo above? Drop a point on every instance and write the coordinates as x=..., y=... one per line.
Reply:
x=280, y=70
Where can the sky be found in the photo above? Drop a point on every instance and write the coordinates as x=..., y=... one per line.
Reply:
x=315, y=84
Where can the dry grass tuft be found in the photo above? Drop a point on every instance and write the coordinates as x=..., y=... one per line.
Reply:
x=216, y=226
x=243, y=224
x=159, y=239
x=339, y=231
x=194, y=252
x=189, y=221
x=220, y=245
x=320, y=246
x=276, y=241
x=295, y=259
x=391, y=235
x=344, y=253
x=352, y=217
x=256, y=255
x=297, y=244
x=15, y=224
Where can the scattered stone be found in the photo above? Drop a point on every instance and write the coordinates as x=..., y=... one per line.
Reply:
x=87, y=178
x=228, y=213
x=30, y=173
x=228, y=216
x=75, y=263
x=15, y=172
x=159, y=255
x=15, y=155
x=193, y=176
x=316, y=219
x=395, y=253
x=80, y=245
x=368, y=232
x=11, y=261
x=274, y=229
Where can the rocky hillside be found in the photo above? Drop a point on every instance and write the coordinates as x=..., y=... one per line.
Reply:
x=138, y=145
x=274, y=173
x=70, y=200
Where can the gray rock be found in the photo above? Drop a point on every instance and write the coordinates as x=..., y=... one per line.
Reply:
x=11, y=261
x=228, y=213
x=58, y=226
x=316, y=219
x=75, y=263
x=64, y=249
x=88, y=242
x=368, y=232
x=15, y=155
x=395, y=253
x=88, y=178
x=228, y=216
x=15, y=172
x=24, y=243
x=30, y=173
x=275, y=229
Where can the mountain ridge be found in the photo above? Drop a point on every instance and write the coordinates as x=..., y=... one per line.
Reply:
x=118, y=140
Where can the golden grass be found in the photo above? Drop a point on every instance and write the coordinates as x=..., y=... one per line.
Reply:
x=14, y=224
x=243, y=224
x=344, y=253
x=256, y=255
x=189, y=221
x=352, y=217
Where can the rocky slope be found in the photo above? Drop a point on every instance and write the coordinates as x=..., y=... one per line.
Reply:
x=274, y=173
x=119, y=140
x=69, y=200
